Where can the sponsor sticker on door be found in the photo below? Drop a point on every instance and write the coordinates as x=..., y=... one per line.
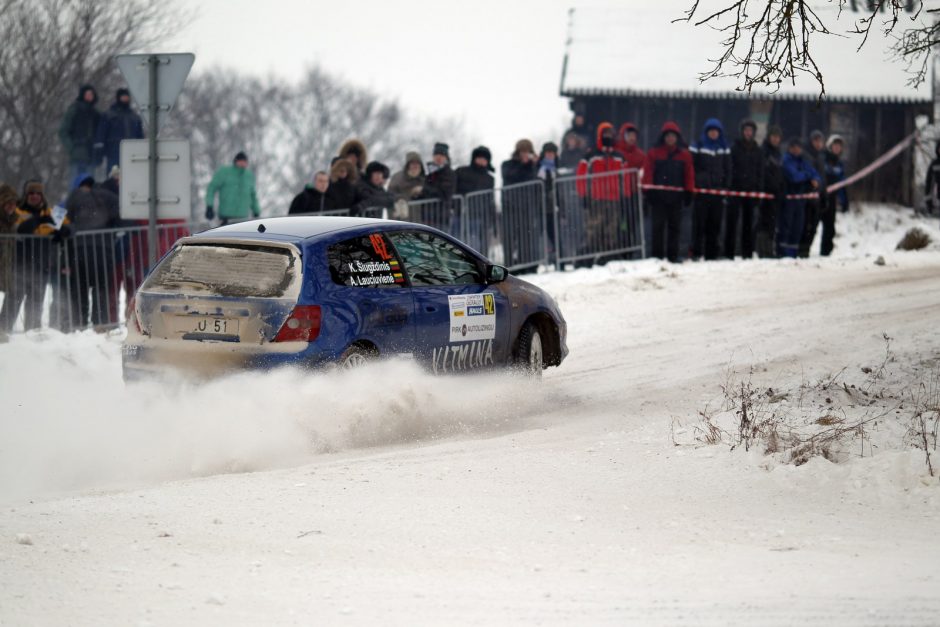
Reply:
x=472, y=317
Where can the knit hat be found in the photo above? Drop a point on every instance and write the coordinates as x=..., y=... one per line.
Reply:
x=834, y=139
x=524, y=146
x=241, y=156
x=7, y=194
x=549, y=147
x=123, y=91
x=748, y=122
x=481, y=151
x=795, y=141
x=441, y=149
x=775, y=130
x=817, y=134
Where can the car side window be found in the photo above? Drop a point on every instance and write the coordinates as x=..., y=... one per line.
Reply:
x=366, y=261
x=433, y=260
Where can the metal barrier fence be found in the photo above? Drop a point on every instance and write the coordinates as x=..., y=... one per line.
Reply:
x=523, y=221
x=599, y=216
x=79, y=281
x=87, y=279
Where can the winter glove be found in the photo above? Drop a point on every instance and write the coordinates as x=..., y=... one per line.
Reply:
x=210, y=213
x=61, y=234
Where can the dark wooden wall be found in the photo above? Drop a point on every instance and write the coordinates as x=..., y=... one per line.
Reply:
x=869, y=128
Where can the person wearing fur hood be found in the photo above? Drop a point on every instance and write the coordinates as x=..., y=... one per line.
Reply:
x=344, y=191
x=354, y=151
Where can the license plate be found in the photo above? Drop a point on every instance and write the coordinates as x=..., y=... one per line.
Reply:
x=211, y=325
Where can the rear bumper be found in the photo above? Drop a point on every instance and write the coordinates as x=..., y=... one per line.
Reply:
x=146, y=359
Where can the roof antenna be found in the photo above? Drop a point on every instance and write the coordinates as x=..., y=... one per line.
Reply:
x=261, y=228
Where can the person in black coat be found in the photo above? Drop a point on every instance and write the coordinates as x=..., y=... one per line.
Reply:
x=441, y=182
x=712, y=162
x=91, y=258
x=372, y=190
x=313, y=198
x=475, y=182
x=774, y=183
x=519, y=203
x=747, y=168
x=522, y=166
x=440, y=185
x=344, y=192
x=78, y=131
x=117, y=123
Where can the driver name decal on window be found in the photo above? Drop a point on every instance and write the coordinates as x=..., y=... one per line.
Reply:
x=365, y=262
x=472, y=317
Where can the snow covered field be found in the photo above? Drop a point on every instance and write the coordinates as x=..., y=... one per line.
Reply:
x=392, y=497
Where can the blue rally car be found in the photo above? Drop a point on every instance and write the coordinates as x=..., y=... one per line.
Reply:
x=311, y=291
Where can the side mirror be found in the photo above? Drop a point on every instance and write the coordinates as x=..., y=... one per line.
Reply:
x=496, y=274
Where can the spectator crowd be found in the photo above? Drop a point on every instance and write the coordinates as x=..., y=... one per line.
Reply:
x=716, y=197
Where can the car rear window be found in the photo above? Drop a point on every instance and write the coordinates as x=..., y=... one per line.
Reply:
x=225, y=270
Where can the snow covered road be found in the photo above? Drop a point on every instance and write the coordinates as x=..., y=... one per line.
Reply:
x=422, y=500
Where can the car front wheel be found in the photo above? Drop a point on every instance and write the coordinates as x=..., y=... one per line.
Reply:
x=530, y=357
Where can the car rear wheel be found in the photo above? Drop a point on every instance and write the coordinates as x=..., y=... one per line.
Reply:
x=355, y=357
x=530, y=358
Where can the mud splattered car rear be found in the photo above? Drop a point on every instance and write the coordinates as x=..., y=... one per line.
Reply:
x=316, y=291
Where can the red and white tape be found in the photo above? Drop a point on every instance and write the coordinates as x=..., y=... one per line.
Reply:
x=868, y=169
x=729, y=192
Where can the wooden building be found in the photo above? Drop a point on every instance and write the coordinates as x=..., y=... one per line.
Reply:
x=635, y=63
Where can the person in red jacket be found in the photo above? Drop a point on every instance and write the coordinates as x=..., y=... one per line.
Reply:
x=627, y=146
x=668, y=163
x=633, y=161
x=600, y=186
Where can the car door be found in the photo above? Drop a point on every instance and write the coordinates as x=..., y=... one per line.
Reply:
x=461, y=323
x=371, y=285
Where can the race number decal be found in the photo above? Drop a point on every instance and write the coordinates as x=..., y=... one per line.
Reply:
x=472, y=317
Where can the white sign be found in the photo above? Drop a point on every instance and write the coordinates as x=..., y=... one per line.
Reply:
x=172, y=70
x=173, y=179
x=472, y=317
x=58, y=216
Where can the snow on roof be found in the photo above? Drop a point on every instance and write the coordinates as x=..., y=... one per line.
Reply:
x=638, y=50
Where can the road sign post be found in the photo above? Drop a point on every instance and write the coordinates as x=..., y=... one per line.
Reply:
x=153, y=63
x=155, y=81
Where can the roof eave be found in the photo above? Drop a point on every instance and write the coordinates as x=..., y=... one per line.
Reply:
x=734, y=95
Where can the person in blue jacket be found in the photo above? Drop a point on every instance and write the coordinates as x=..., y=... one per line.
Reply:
x=839, y=200
x=800, y=177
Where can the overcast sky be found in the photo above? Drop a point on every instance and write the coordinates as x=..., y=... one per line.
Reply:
x=495, y=63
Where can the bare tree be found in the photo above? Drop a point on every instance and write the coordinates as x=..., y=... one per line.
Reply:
x=770, y=42
x=291, y=130
x=49, y=48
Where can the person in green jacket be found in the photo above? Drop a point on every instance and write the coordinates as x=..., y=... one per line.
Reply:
x=235, y=185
